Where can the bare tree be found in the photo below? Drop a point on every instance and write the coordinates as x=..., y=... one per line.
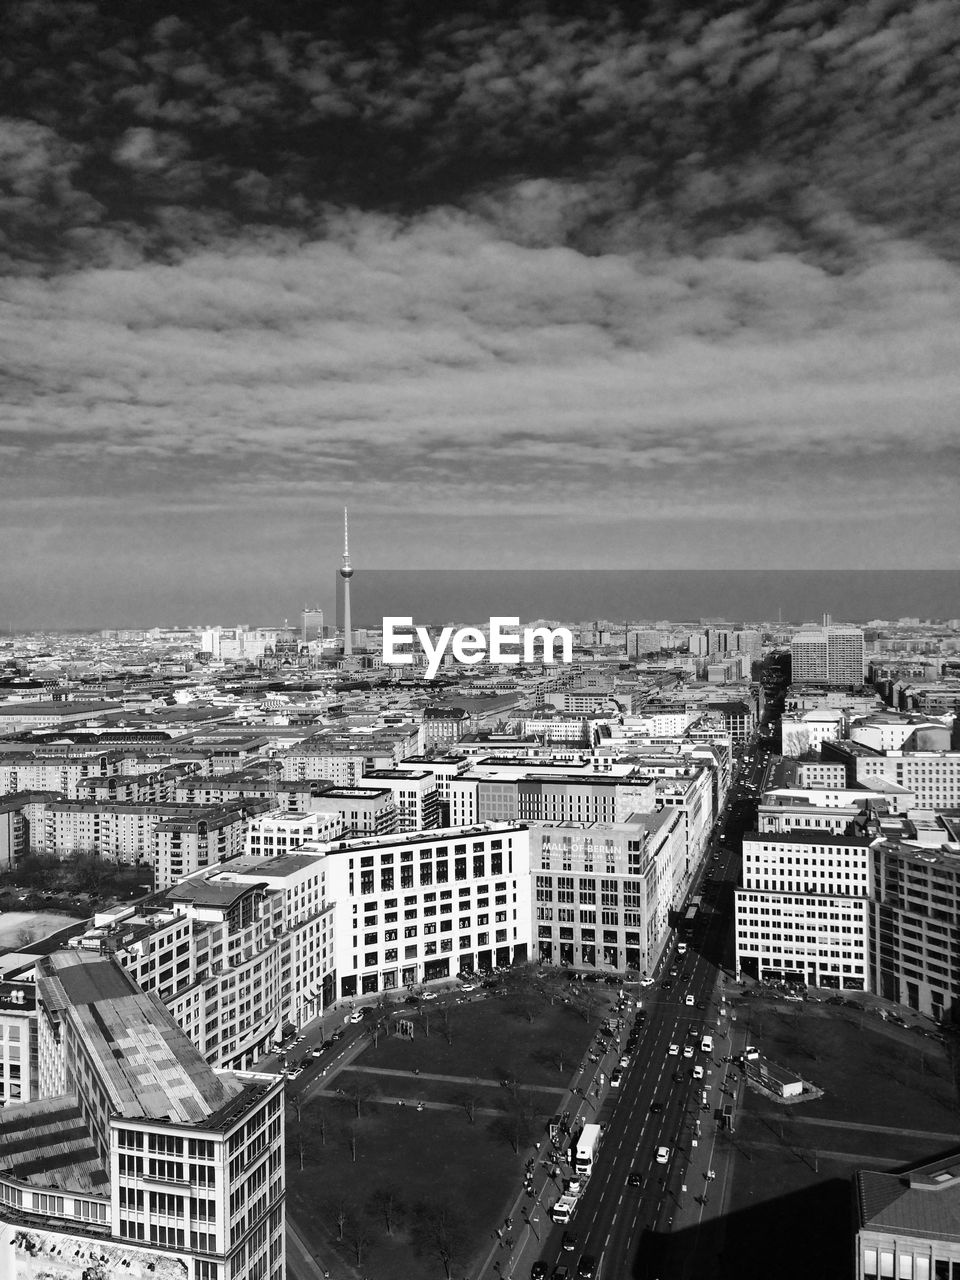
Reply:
x=360, y=1092
x=446, y=1022
x=441, y=1232
x=359, y=1237
x=341, y=1214
x=470, y=1101
x=353, y=1140
x=319, y=1115
x=387, y=1204
x=516, y=1123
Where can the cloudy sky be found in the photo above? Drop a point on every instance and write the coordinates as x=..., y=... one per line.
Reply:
x=545, y=284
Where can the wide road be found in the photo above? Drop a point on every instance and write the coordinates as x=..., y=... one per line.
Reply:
x=659, y=1103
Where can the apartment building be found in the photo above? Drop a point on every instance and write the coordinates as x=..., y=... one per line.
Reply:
x=803, y=911
x=137, y=1158
x=57, y=773
x=364, y=811
x=603, y=891
x=415, y=795
x=172, y=837
x=828, y=655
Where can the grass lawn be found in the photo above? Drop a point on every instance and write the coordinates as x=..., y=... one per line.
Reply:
x=783, y=1178
x=445, y=1183
x=487, y=1040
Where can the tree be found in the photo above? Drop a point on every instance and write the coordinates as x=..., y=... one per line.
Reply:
x=359, y=1237
x=470, y=1101
x=353, y=1140
x=386, y=1203
x=441, y=1233
x=341, y=1214
x=446, y=1022
x=516, y=1124
x=360, y=1092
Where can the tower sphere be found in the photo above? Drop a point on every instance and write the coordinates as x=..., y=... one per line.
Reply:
x=346, y=571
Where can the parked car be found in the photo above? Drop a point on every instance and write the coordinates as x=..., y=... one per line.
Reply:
x=615, y=1078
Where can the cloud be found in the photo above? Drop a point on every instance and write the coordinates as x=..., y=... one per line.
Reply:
x=700, y=267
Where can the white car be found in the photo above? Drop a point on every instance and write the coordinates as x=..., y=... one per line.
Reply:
x=625, y=1061
x=663, y=1155
x=688, y=1050
x=615, y=1078
x=429, y=995
x=689, y=1000
x=698, y=1073
x=673, y=1050
x=646, y=982
x=468, y=986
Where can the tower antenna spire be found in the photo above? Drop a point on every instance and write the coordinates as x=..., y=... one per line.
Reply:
x=346, y=573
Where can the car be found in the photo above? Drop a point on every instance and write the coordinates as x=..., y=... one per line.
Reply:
x=624, y=1060
x=293, y=1072
x=573, y=1186
x=663, y=1155
x=666, y=985
x=689, y=1000
x=569, y=1241
x=316, y=1051
x=673, y=1050
x=701, y=1005
x=561, y=1272
x=698, y=1072
x=635, y=1179
x=337, y=1035
x=587, y=1268
x=539, y=1270
x=688, y=1050
x=678, y=1077
x=615, y=1078
x=429, y=995
x=656, y=1107
x=645, y=982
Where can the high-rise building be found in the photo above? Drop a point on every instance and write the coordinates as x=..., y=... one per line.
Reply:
x=311, y=624
x=828, y=655
x=346, y=573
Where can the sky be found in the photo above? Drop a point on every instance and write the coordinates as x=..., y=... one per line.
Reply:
x=532, y=285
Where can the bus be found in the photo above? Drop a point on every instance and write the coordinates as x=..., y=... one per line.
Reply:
x=689, y=918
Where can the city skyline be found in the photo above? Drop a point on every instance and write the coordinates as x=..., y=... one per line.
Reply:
x=559, y=286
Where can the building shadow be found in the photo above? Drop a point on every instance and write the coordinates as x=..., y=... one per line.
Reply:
x=803, y=1234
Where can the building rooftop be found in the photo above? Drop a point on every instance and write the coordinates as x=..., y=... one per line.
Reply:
x=151, y=1069
x=47, y=1144
x=210, y=893
x=923, y=1202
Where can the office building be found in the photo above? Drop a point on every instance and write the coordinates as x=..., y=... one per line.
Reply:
x=136, y=1158
x=908, y=1223
x=802, y=913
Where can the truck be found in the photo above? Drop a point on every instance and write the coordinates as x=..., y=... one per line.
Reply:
x=564, y=1209
x=587, y=1145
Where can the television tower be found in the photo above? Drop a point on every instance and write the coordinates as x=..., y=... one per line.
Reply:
x=346, y=573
